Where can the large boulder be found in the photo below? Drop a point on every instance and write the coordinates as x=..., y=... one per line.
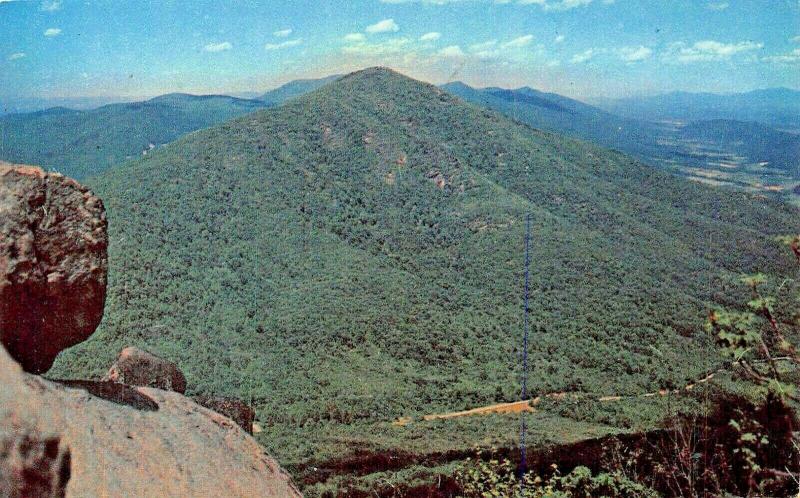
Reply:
x=53, y=264
x=136, y=367
x=233, y=408
x=57, y=440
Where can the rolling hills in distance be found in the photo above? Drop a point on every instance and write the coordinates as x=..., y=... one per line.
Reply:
x=355, y=255
x=724, y=152
x=740, y=154
x=82, y=143
x=776, y=107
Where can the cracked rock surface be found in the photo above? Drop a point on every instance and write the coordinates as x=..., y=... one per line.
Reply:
x=53, y=264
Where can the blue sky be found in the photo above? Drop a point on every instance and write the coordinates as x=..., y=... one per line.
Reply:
x=580, y=48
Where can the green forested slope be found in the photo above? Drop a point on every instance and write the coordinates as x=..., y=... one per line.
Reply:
x=565, y=116
x=84, y=143
x=356, y=255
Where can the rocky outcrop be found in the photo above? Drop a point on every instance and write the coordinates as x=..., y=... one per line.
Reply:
x=235, y=409
x=89, y=438
x=53, y=264
x=117, y=447
x=136, y=367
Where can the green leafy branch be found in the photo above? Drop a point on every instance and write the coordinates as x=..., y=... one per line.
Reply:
x=755, y=339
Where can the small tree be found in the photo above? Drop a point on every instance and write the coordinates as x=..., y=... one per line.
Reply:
x=756, y=341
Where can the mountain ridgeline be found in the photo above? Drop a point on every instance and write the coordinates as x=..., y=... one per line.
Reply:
x=356, y=255
x=559, y=114
x=659, y=144
x=84, y=143
x=777, y=107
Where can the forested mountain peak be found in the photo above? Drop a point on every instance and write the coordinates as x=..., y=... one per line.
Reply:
x=356, y=255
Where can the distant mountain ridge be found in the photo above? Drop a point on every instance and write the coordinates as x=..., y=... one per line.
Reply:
x=76, y=143
x=777, y=107
x=82, y=143
x=692, y=145
x=559, y=114
x=296, y=88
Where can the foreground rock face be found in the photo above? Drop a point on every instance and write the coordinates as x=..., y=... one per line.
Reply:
x=53, y=264
x=32, y=465
x=136, y=367
x=137, y=442
x=235, y=409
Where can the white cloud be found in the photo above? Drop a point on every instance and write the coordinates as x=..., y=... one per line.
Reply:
x=795, y=39
x=50, y=5
x=718, y=6
x=283, y=33
x=584, y=56
x=708, y=50
x=218, y=47
x=431, y=2
x=518, y=42
x=559, y=39
x=635, y=54
x=281, y=45
x=16, y=56
x=792, y=57
x=391, y=47
x=432, y=36
x=385, y=26
x=479, y=47
x=51, y=32
x=355, y=37
x=548, y=5
x=559, y=5
x=451, y=51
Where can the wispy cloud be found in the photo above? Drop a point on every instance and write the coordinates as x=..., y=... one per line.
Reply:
x=792, y=57
x=518, y=42
x=559, y=39
x=385, y=26
x=392, y=47
x=634, y=54
x=584, y=56
x=718, y=6
x=16, y=56
x=479, y=47
x=282, y=45
x=218, y=47
x=795, y=39
x=549, y=5
x=509, y=50
x=51, y=32
x=50, y=5
x=283, y=33
x=431, y=2
x=355, y=37
x=708, y=50
x=555, y=5
x=432, y=36
x=451, y=51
